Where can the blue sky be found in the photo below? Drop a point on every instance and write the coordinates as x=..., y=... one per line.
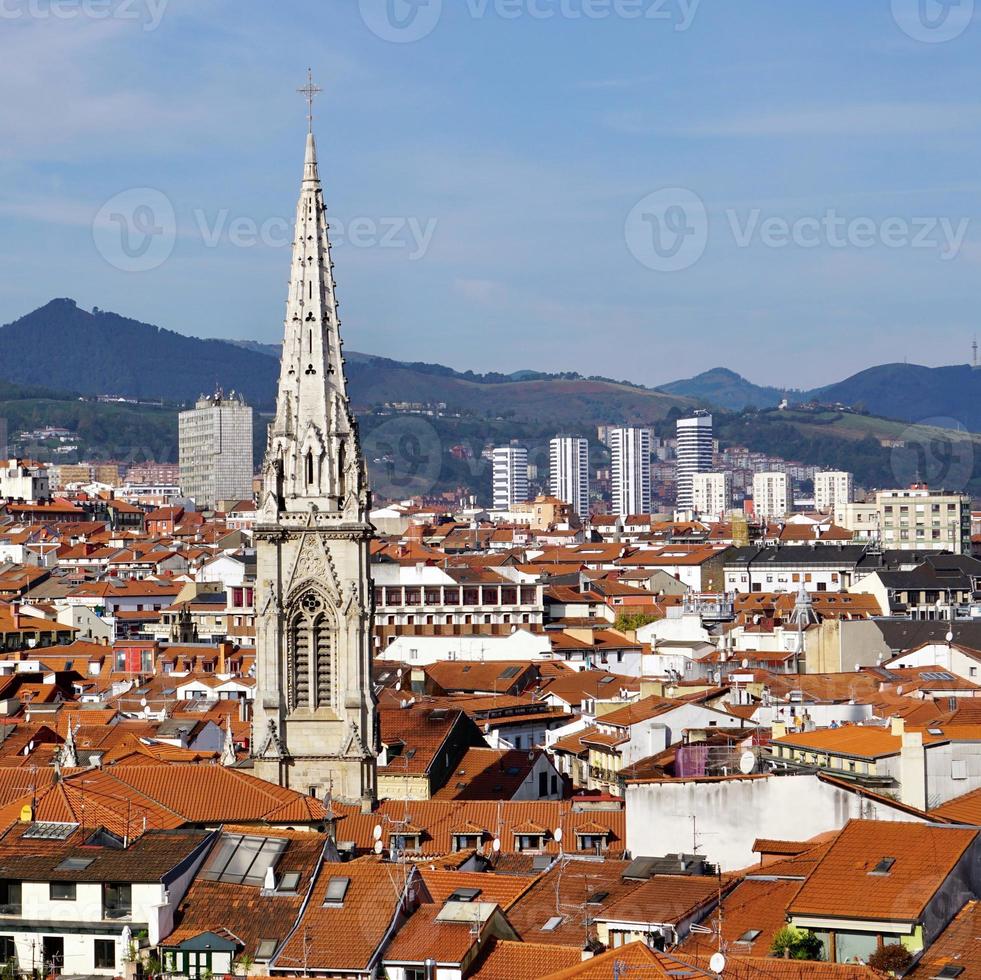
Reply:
x=492, y=180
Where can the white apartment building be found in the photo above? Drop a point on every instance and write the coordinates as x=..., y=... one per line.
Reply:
x=833, y=488
x=918, y=518
x=216, y=450
x=861, y=518
x=630, y=470
x=771, y=495
x=694, y=449
x=711, y=494
x=510, y=474
x=24, y=480
x=426, y=595
x=569, y=472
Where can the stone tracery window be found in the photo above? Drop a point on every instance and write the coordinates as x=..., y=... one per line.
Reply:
x=310, y=653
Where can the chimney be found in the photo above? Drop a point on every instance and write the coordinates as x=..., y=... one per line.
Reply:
x=897, y=726
x=912, y=771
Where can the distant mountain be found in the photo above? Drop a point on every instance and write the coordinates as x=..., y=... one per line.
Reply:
x=913, y=393
x=726, y=389
x=64, y=347
x=949, y=397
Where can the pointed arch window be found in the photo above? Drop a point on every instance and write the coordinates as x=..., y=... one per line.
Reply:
x=310, y=681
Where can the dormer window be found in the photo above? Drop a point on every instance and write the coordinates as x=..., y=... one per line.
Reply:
x=403, y=842
x=531, y=842
x=466, y=842
x=592, y=841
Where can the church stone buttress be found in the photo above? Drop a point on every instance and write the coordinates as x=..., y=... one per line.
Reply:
x=314, y=726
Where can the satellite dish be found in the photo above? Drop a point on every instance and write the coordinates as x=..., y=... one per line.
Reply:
x=747, y=763
x=377, y=832
x=949, y=636
x=398, y=673
x=496, y=846
x=378, y=847
x=558, y=835
x=717, y=963
x=142, y=702
x=745, y=662
x=398, y=686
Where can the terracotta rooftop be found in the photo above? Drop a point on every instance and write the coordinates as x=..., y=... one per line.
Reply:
x=882, y=870
x=956, y=946
x=345, y=935
x=506, y=960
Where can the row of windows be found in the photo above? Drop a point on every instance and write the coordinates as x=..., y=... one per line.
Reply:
x=487, y=596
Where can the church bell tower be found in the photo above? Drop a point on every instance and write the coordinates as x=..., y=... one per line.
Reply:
x=314, y=725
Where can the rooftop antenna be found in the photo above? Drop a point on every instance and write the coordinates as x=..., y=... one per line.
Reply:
x=974, y=352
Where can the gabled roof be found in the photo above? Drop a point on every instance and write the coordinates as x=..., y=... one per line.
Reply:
x=344, y=936
x=853, y=880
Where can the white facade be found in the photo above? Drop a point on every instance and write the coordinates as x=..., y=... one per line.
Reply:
x=711, y=494
x=510, y=476
x=860, y=518
x=833, y=488
x=420, y=651
x=407, y=595
x=216, y=450
x=694, y=455
x=21, y=480
x=917, y=518
x=728, y=815
x=771, y=495
x=630, y=470
x=569, y=471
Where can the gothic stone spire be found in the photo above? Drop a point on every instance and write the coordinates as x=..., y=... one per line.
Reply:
x=313, y=461
x=314, y=722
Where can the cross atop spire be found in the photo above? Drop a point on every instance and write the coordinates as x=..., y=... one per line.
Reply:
x=310, y=92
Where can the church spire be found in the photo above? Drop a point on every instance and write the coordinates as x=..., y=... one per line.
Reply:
x=313, y=462
x=315, y=721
